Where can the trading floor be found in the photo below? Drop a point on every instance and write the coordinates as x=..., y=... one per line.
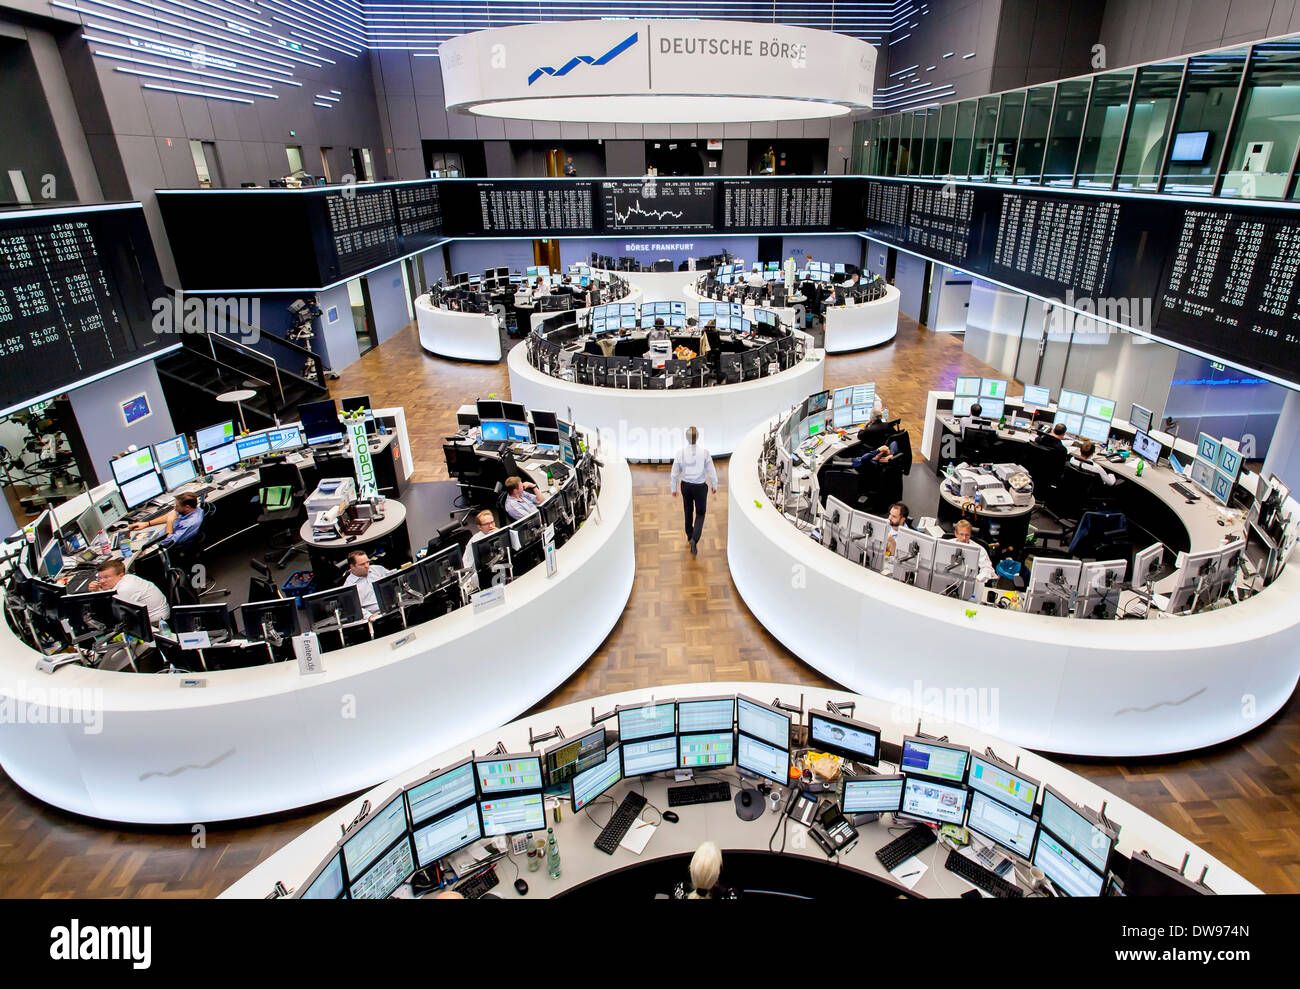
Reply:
x=684, y=622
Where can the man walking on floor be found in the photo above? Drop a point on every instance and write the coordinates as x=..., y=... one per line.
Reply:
x=693, y=472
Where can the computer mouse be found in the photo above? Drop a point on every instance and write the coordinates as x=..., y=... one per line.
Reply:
x=746, y=798
x=671, y=817
x=521, y=887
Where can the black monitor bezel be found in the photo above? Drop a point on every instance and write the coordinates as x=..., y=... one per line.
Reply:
x=696, y=734
x=1008, y=768
x=1089, y=815
x=288, y=604
x=874, y=778
x=789, y=721
x=614, y=751
x=619, y=708
x=920, y=778
x=507, y=795
x=783, y=781
x=344, y=893
x=705, y=700
x=546, y=768
x=430, y=821
x=343, y=591
x=970, y=799
x=124, y=611
x=933, y=742
x=840, y=750
x=541, y=773
x=428, y=778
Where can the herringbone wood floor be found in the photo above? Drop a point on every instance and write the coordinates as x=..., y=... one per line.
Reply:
x=684, y=622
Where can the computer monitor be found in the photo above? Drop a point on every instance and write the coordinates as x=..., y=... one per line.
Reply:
x=333, y=608
x=383, y=878
x=699, y=714
x=1078, y=827
x=1100, y=583
x=1073, y=421
x=991, y=408
x=489, y=409
x=178, y=474
x=842, y=736
x=547, y=439
x=284, y=438
x=508, y=773
x=872, y=795
x=326, y=883
x=627, y=322
x=518, y=432
x=1229, y=461
x=512, y=813
x=652, y=719
x=993, y=388
x=320, y=422
x=491, y=554
x=440, y=791
x=253, y=445
x=1148, y=877
x=1140, y=418
x=1097, y=430
x=937, y=760
x=89, y=524
x=267, y=621
x=90, y=612
x=648, y=755
x=967, y=386
x=531, y=271
x=141, y=489
x=931, y=800
x=1145, y=563
x=214, y=620
x=999, y=823
x=370, y=840
x=1005, y=784
x=816, y=423
x=1053, y=586
x=514, y=412
x=706, y=750
x=493, y=430
x=545, y=420
x=220, y=457
x=962, y=404
x=589, y=784
x=758, y=757
x=1146, y=447
x=763, y=721
x=572, y=756
x=446, y=834
x=1072, y=401
x=842, y=417
x=818, y=401
x=1100, y=408
x=218, y=435
x=1037, y=395
x=439, y=569
x=914, y=557
x=1067, y=870
x=131, y=465
x=398, y=589
x=51, y=560
x=170, y=451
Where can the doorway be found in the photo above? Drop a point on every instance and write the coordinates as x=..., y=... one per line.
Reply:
x=362, y=314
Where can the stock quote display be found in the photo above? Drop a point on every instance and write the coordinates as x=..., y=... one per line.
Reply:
x=541, y=209
x=75, y=297
x=363, y=228
x=653, y=204
x=761, y=205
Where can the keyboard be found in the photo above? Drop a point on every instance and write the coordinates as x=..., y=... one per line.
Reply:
x=699, y=793
x=492, y=446
x=1185, y=491
x=478, y=884
x=238, y=477
x=977, y=875
x=618, y=825
x=906, y=845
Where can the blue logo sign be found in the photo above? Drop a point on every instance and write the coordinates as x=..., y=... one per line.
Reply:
x=573, y=63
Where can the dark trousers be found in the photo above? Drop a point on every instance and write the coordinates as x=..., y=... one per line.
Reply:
x=694, y=499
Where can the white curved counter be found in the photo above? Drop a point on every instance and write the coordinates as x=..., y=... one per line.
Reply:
x=866, y=325
x=1097, y=688
x=295, y=862
x=650, y=425
x=266, y=739
x=462, y=336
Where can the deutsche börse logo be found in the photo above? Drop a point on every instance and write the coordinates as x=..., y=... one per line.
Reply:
x=571, y=64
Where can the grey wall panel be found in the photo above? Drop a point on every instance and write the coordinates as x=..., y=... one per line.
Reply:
x=654, y=132
x=196, y=119
x=61, y=103
x=124, y=100
x=518, y=130
x=395, y=73
x=1248, y=20
x=491, y=129
x=735, y=157
x=410, y=163
x=498, y=159
x=1280, y=20
x=432, y=118
x=164, y=114
x=426, y=76
x=460, y=127
x=543, y=130
x=97, y=407
x=177, y=163
x=404, y=122
x=625, y=157
x=233, y=163
x=594, y=131
x=628, y=131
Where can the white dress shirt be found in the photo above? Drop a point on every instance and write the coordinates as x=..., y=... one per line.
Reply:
x=364, y=589
x=987, y=572
x=525, y=504
x=693, y=465
x=137, y=590
x=1107, y=478
x=467, y=561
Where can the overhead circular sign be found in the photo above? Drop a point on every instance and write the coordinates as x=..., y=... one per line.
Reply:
x=657, y=72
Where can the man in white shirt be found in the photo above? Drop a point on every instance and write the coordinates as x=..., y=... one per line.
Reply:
x=976, y=418
x=755, y=279
x=961, y=533
x=898, y=521
x=694, y=474
x=361, y=572
x=112, y=576
x=543, y=287
x=1083, y=461
x=487, y=524
x=521, y=498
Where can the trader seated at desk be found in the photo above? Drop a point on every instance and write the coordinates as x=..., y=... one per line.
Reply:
x=975, y=420
x=876, y=431
x=1083, y=461
x=522, y=498
x=899, y=519
x=961, y=533
x=360, y=574
x=1053, y=441
x=182, y=522
x=487, y=524
x=878, y=457
x=112, y=576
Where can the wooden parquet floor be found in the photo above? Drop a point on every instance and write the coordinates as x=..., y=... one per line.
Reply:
x=683, y=622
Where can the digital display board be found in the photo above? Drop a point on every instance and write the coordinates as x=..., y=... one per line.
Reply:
x=884, y=209
x=777, y=204
x=1051, y=245
x=657, y=204
x=76, y=287
x=939, y=221
x=540, y=208
x=419, y=214
x=363, y=228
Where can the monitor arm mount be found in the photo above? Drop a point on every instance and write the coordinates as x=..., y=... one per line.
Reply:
x=599, y=719
x=362, y=814
x=840, y=707
x=932, y=738
x=545, y=736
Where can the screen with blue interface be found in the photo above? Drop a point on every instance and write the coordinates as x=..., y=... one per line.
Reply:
x=328, y=884
x=510, y=815
x=706, y=714
x=447, y=834
x=383, y=828
x=647, y=720
x=761, y=721
x=589, y=785
x=1072, y=827
x=1067, y=871
x=509, y=773
x=1000, y=823
x=379, y=882
x=873, y=795
x=447, y=789
x=650, y=755
x=946, y=762
x=1002, y=784
x=765, y=760
x=934, y=801
x=706, y=750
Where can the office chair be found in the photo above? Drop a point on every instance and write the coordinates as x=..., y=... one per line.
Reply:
x=1101, y=536
x=1071, y=498
x=281, y=521
x=192, y=555
x=176, y=586
x=976, y=444
x=841, y=484
x=904, y=458
x=261, y=586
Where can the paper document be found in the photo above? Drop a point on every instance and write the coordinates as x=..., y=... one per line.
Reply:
x=909, y=873
x=637, y=836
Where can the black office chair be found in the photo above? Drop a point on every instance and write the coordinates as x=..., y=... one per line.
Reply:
x=192, y=558
x=976, y=444
x=261, y=586
x=904, y=458
x=841, y=484
x=176, y=584
x=281, y=523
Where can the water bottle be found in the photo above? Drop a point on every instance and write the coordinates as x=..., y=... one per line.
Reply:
x=552, y=855
x=534, y=862
x=550, y=479
x=126, y=550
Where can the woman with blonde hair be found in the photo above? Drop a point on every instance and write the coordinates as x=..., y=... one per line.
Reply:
x=706, y=868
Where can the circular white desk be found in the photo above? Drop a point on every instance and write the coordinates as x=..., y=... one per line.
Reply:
x=462, y=336
x=866, y=325
x=717, y=822
x=648, y=425
x=1136, y=688
x=143, y=749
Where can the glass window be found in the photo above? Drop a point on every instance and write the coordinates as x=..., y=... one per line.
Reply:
x=891, y=145
x=986, y=123
x=918, y=139
x=1033, y=134
x=1201, y=126
x=961, y=140
x=1067, y=126
x=943, y=148
x=1104, y=129
x=1004, y=150
x=1268, y=124
x=1148, y=128
x=931, y=138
